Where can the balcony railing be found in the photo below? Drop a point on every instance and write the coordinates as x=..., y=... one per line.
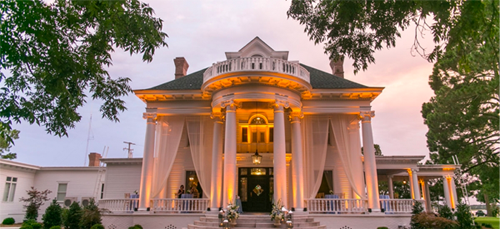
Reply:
x=398, y=206
x=187, y=205
x=257, y=64
x=127, y=205
x=337, y=205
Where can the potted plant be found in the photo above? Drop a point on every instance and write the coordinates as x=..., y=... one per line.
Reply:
x=232, y=213
x=277, y=213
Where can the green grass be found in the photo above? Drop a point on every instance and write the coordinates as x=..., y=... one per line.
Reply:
x=494, y=221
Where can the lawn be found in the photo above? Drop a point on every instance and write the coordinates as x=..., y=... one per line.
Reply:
x=494, y=221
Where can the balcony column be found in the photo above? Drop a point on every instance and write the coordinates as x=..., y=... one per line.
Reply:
x=416, y=186
x=370, y=164
x=426, y=195
x=297, y=166
x=446, y=188
x=450, y=191
x=229, y=193
x=216, y=188
x=391, y=186
x=279, y=147
x=147, y=162
x=356, y=160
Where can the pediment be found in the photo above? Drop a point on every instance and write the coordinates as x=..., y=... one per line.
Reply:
x=257, y=48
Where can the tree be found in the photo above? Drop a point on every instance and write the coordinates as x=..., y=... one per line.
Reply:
x=5, y=145
x=91, y=215
x=378, y=151
x=53, y=56
x=74, y=216
x=34, y=201
x=52, y=216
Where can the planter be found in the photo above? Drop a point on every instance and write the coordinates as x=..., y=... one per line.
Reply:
x=232, y=221
x=277, y=222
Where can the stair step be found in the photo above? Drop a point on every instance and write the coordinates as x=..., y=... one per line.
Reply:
x=255, y=221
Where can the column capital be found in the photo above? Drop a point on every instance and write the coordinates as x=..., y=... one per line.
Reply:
x=218, y=117
x=366, y=116
x=280, y=102
x=296, y=116
x=229, y=104
x=150, y=116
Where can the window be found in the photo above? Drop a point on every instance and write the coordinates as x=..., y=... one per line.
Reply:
x=61, y=191
x=244, y=134
x=102, y=190
x=10, y=189
x=271, y=134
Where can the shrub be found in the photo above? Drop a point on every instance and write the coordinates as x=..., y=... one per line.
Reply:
x=74, y=216
x=8, y=221
x=36, y=225
x=137, y=226
x=26, y=227
x=31, y=224
x=445, y=212
x=429, y=220
x=90, y=215
x=416, y=210
x=55, y=227
x=97, y=226
x=34, y=201
x=52, y=216
x=480, y=213
x=64, y=217
x=495, y=211
x=382, y=228
x=463, y=216
x=486, y=225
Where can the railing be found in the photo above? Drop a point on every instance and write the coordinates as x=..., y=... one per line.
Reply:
x=397, y=206
x=256, y=64
x=337, y=205
x=119, y=205
x=180, y=205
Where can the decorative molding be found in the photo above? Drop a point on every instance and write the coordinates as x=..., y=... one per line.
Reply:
x=296, y=116
x=218, y=117
x=280, y=102
x=150, y=116
x=366, y=116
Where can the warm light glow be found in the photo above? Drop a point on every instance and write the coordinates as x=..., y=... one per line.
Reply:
x=450, y=190
x=258, y=171
x=404, y=182
x=256, y=158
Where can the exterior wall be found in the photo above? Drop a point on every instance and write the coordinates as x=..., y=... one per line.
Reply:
x=25, y=179
x=121, y=179
x=149, y=221
x=81, y=182
x=362, y=221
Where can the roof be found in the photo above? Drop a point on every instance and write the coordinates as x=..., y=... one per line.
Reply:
x=319, y=80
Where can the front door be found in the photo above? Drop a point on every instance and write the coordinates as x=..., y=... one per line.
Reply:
x=255, y=192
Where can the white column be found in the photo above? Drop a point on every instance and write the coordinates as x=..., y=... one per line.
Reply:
x=370, y=164
x=297, y=166
x=410, y=181
x=426, y=194
x=454, y=197
x=446, y=189
x=279, y=154
x=356, y=160
x=416, y=187
x=147, y=162
x=391, y=186
x=216, y=188
x=229, y=192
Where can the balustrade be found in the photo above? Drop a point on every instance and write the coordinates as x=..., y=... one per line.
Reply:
x=337, y=205
x=119, y=205
x=185, y=205
x=398, y=206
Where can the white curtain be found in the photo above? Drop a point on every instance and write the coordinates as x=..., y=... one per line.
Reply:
x=340, y=125
x=169, y=132
x=315, y=131
x=200, y=131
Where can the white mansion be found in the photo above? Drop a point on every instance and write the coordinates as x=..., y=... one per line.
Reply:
x=255, y=129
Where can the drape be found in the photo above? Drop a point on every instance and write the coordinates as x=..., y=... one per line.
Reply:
x=340, y=125
x=200, y=132
x=315, y=131
x=168, y=134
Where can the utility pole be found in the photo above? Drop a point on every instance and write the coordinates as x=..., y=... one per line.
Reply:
x=129, y=149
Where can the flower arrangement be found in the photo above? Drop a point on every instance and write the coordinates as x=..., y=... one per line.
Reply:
x=232, y=211
x=277, y=213
x=331, y=192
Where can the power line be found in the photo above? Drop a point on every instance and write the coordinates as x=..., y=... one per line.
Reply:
x=129, y=149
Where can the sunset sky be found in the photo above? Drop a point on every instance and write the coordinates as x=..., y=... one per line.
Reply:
x=201, y=31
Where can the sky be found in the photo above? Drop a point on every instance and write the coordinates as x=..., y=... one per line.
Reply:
x=202, y=31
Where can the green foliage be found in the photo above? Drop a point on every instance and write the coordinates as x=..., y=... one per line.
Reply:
x=97, y=226
x=445, y=212
x=34, y=201
x=31, y=224
x=54, y=56
x=52, y=216
x=480, y=213
x=137, y=226
x=382, y=228
x=74, y=216
x=8, y=221
x=26, y=226
x=91, y=215
x=6, y=145
x=378, y=151
x=464, y=217
x=429, y=220
x=416, y=210
x=55, y=227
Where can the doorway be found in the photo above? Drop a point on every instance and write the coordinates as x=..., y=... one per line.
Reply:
x=256, y=189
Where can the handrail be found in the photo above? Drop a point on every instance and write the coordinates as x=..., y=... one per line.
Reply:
x=119, y=205
x=183, y=205
x=398, y=206
x=256, y=64
x=337, y=205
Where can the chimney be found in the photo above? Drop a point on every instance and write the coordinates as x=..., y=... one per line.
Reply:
x=338, y=67
x=94, y=159
x=181, y=67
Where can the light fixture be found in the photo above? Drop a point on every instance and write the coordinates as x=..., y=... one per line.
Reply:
x=256, y=158
x=404, y=181
x=191, y=178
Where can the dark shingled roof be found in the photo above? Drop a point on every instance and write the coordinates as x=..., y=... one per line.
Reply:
x=319, y=80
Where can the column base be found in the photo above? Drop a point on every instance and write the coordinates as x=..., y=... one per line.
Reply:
x=142, y=211
x=213, y=211
x=300, y=211
x=376, y=211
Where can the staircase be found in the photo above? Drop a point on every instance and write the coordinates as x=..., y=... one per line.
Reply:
x=256, y=221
